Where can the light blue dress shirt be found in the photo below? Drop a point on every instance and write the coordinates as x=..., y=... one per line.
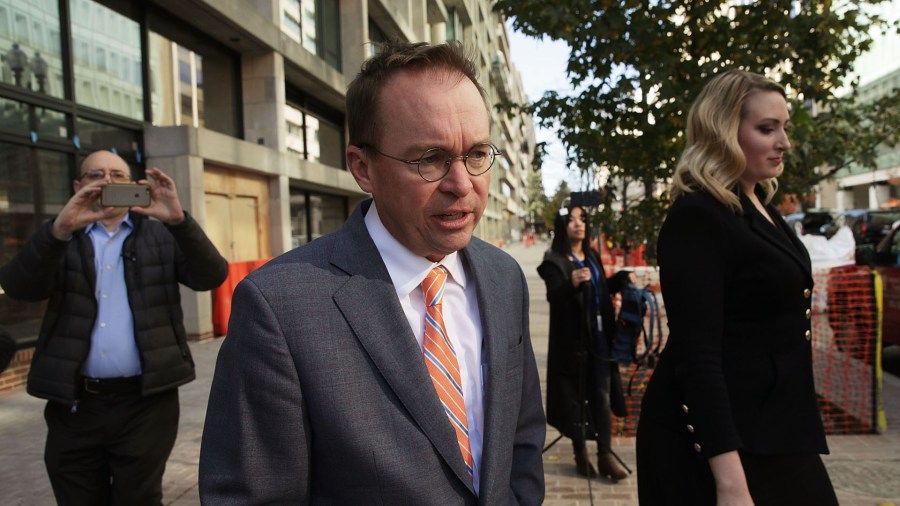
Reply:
x=114, y=352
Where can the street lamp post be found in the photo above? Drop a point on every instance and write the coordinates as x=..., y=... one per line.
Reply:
x=39, y=69
x=17, y=60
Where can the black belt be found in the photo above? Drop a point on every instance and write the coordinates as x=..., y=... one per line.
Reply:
x=128, y=385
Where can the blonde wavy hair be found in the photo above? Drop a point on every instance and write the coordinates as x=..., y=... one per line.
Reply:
x=713, y=160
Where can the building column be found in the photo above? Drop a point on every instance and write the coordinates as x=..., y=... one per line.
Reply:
x=354, y=36
x=878, y=194
x=187, y=172
x=280, y=214
x=264, y=99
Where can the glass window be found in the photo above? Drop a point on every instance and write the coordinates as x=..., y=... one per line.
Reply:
x=177, y=76
x=95, y=135
x=325, y=141
x=20, y=118
x=290, y=18
x=313, y=137
x=51, y=124
x=314, y=215
x=314, y=24
x=98, y=27
x=29, y=55
x=4, y=20
x=299, y=229
x=328, y=214
x=34, y=186
x=376, y=35
x=13, y=116
x=308, y=25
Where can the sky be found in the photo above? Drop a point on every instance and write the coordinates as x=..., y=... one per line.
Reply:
x=542, y=65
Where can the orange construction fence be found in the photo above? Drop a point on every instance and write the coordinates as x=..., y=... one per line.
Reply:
x=846, y=342
x=221, y=296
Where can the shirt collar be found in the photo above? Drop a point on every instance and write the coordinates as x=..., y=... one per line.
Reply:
x=124, y=223
x=407, y=270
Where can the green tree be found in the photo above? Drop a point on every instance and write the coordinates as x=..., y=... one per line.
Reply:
x=537, y=199
x=556, y=202
x=636, y=66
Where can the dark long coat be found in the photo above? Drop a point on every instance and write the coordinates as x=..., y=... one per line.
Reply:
x=569, y=337
x=736, y=373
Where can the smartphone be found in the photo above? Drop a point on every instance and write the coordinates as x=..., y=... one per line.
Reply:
x=125, y=195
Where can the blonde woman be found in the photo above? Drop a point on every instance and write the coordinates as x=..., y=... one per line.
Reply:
x=730, y=415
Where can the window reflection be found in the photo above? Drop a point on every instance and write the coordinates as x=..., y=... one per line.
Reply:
x=313, y=138
x=95, y=135
x=299, y=22
x=34, y=186
x=103, y=39
x=177, y=92
x=314, y=24
x=21, y=118
x=314, y=215
x=177, y=83
x=30, y=46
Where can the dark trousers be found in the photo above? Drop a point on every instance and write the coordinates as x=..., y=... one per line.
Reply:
x=598, y=386
x=112, y=450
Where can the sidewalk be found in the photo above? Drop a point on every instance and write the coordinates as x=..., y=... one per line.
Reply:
x=865, y=469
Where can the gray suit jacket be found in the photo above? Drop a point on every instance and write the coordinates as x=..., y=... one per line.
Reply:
x=321, y=394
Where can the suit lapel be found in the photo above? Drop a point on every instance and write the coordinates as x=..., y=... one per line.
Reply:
x=492, y=310
x=776, y=235
x=369, y=303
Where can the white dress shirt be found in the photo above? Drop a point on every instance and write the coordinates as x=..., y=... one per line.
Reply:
x=461, y=317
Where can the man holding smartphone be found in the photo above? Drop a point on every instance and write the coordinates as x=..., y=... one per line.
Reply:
x=112, y=350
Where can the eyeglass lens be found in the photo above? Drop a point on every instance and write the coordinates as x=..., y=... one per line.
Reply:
x=115, y=175
x=435, y=163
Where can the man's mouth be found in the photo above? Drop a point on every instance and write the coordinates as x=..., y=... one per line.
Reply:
x=451, y=216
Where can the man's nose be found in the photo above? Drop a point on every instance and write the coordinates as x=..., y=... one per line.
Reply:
x=458, y=180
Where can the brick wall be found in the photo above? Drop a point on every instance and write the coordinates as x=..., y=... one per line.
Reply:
x=15, y=376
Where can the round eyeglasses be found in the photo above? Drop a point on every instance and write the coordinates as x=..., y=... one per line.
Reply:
x=435, y=163
x=97, y=174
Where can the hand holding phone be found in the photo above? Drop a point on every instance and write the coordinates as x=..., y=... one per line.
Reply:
x=125, y=195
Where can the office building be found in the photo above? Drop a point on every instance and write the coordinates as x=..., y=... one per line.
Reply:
x=240, y=101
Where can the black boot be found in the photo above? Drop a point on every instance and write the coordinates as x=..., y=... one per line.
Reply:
x=582, y=463
x=609, y=467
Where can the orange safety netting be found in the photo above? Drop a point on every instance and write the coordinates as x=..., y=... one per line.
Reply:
x=221, y=296
x=846, y=318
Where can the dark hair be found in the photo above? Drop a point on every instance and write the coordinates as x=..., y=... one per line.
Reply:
x=560, y=242
x=364, y=93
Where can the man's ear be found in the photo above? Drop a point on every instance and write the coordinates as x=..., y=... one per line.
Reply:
x=358, y=164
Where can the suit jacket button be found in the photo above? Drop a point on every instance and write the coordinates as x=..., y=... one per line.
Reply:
x=697, y=447
x=808, y=313
x=807, y=293
x=684, y=408
x=690, y=428
x=808, y=335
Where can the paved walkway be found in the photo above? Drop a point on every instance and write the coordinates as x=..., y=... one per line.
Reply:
x=865, y=469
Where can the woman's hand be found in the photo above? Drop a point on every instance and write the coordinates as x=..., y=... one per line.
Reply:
x=579, y=276
x=731, y=484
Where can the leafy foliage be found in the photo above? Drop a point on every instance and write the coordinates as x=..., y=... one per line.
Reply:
x=636, y=66
x=537, y=200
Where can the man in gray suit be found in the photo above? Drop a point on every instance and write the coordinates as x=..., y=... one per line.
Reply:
x=328, y=388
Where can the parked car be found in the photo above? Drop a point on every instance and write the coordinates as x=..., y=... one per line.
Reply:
x=869, y=226
x=883, y=258
x=810, y=221
x=887, y=264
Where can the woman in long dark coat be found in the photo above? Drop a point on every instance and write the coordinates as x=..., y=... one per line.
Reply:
x=582, y=322
x=730, y=415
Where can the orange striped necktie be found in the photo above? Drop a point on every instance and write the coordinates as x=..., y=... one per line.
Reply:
x=440, y=359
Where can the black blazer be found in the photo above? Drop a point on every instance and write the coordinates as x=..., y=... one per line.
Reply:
x=736, y=372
